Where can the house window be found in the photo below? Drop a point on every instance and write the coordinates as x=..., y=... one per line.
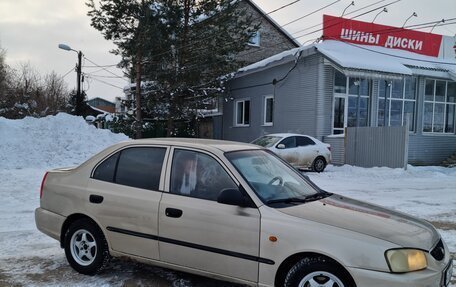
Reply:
x=268, y=110
x=351, y=102
x=396, y=102
x=242, y=113
x=255, y=39
x=439, y=107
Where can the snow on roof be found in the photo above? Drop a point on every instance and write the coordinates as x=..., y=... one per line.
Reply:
x=362, y=57
x=374, y=58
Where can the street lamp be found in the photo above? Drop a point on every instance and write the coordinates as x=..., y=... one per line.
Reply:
x=436, y=24
x=384, y=10
x=413, y=15
x=351, y=4
x=79, y=99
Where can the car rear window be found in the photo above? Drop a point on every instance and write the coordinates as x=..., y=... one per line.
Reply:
x=136, y=167
x=105, y=171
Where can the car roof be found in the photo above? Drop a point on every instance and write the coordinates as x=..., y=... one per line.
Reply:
x=222, y=145
x=284, y=135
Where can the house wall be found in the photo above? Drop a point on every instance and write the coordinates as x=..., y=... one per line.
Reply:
x=272, y=41
x=302, y=102
x=425, y=148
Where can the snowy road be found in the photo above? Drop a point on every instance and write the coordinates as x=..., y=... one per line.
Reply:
x=28, y=257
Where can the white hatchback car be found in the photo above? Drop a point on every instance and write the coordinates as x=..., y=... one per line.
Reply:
x=301, y=151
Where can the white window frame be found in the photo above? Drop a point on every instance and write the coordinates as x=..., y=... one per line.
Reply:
x=434, y=102
x=255, y=40
x=403, y=100
x=265, y=107
x=243, y=124
x=346, y=96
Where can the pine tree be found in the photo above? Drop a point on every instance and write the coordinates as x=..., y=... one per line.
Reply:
x=180, y=50
x=188, y=67
x=126, y=23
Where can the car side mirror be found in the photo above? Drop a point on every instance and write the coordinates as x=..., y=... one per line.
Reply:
x=233, y=196
x=280, y=146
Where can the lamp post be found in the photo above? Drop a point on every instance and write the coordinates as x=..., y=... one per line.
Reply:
x=351, y=4
x=79, y=99
x=436, y=24
x=383, y=10
x=413, y=15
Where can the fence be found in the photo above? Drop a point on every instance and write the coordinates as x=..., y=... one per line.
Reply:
x=377, y=146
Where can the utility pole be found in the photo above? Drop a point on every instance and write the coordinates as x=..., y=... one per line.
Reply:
x=78, y=109
x=79, y=100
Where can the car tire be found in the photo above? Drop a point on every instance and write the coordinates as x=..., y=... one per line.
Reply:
x=319, y=164
x=86, y=248
x=317, y=271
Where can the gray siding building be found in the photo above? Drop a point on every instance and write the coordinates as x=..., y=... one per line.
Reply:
x=324, y=88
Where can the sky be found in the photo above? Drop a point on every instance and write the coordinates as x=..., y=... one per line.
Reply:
x=30, y=31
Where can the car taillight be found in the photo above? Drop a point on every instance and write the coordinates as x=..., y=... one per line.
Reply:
x=329, y=148
x=42, y=184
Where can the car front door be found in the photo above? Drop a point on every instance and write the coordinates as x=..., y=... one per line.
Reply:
x=289, y=151
x=198, y=232
x=307, y=151
x=124, y=197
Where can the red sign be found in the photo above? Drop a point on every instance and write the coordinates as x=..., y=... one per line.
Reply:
x=337, y=28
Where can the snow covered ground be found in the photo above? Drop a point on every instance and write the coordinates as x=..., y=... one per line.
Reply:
x=29, y=147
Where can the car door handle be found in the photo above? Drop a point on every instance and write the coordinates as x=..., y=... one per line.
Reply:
x=173, y=212
x=97, y=199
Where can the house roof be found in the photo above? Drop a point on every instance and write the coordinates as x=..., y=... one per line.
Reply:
x=274, y=23
x=363, y=59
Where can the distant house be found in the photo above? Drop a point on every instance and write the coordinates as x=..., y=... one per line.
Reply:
x=270, y=39
x=348, y=82
x=102, y=104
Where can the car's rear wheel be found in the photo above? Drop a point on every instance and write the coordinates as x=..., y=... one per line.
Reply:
x=319, y=164
x=316, y=272
x=86, y=248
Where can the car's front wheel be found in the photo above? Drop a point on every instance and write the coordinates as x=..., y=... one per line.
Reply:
x=86, y=248
x=316, y=272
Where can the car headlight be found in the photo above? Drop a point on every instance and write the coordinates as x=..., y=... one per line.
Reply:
x=406, y=260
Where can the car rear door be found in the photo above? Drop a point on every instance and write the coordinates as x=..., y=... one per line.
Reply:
x=198, y=232
x=124, y=197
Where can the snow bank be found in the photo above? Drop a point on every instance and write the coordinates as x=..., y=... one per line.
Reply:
x=53, y=141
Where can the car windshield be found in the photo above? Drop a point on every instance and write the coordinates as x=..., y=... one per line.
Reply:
x=271, y=179
x=266, y=141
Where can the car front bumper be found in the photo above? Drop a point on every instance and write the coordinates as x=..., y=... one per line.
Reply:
x=49, y=223
x=424, y=278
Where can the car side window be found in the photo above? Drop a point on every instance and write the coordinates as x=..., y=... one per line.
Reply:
x=304, y=141
x=106, y=170
x=136, y=167
x=289, y=142
x=198, y=175
x=140, y=167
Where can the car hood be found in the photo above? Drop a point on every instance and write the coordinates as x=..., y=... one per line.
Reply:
x=368, y=219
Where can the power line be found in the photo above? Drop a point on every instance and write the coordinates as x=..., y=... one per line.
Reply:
x=362, y=8
x=284, y=6
x=343, y=20
x=209, y=37
x=104, y=68
x=67, y=73
x=106, y=83
x=311, y=13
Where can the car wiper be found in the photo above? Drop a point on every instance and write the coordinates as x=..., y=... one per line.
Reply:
x=308, y=198
x=317, y=196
